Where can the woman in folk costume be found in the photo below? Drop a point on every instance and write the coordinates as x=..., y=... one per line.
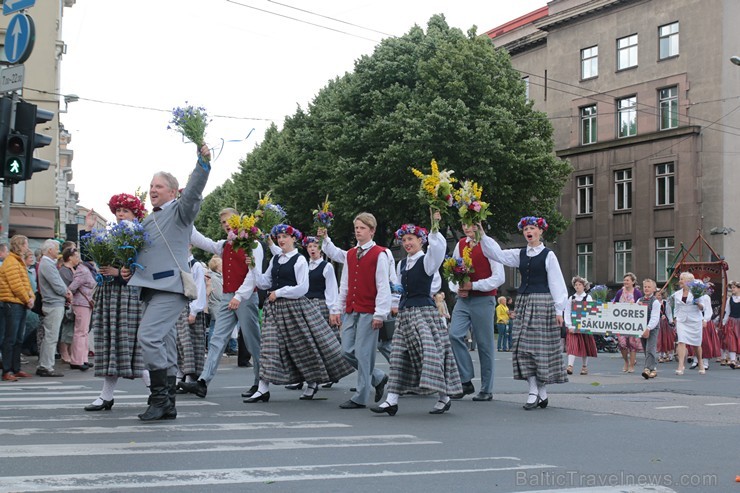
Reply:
x=629, y=346
x=577, y=344
x=191, y=329
x=422, y=361
x=322, y=282
x=543, y=296
x=731, y=324
x=666, y=332
x=297, y=343
x=690, y=316
x=116, y=315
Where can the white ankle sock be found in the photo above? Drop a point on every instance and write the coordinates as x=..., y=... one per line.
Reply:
x=391, y=399
x=145, y=378
x=571, y=359
x=585, y=361
x=263, y=387
x=311, y=388
x=443, y=397
x=532, y=397
x=733, y=356
x=542, y=392
x=109, y=386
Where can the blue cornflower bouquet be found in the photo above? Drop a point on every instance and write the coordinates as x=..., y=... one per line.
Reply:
x=699, y=289
x=190, y=121
x=98, y=246
x=127, y=238
x=599, y=293
x=268, y=214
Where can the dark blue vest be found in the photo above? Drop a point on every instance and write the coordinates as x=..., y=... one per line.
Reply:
x=417, y=285
x=533, y=272
x=317, y=282
x=734, y=309
x=283, y=274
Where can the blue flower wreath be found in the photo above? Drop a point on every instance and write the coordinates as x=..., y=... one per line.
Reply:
x=309, y=239
x=533, y=221
x=410, y=229
x=285, y=229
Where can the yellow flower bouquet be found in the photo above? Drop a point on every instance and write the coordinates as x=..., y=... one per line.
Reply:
x=436, y=189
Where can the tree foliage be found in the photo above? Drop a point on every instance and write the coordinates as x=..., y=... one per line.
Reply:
x=437, y=94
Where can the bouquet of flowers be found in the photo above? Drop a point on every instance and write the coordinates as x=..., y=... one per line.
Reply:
x=244, y=234
x=98, y=246
x=471, y=208
x=268, y=215
x=458, y=270
x=599, y=293
x=435, y=190
x=191, y=123
x=323, y=217
x=699, y=289
x=126, y=239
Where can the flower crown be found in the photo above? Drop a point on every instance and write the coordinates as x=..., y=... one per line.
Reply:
x=309, y=239
x=410, y=229
x=533, y=221
x=286, y=229
x=126, y=201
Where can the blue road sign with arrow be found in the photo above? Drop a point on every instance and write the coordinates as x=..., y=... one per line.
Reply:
x=19, y=38
x=10, y=6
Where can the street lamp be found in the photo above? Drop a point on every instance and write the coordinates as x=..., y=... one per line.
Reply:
x=69, y=98
x=735, y=59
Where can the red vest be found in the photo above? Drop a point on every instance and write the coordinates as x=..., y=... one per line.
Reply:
x=480, y=264
x=361, y=289
x=235, y=268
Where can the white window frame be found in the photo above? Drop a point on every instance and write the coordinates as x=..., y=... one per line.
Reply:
x=665, y=184
x=664, y=252
x=622, y=259
x=590, y=62
x=668, y=103
x=585, y=194
x=623, y=189
x=627, y=52
x=589, y=119
x=526, y=87
x=627, y=115
x=585, y=259
x=668, y=46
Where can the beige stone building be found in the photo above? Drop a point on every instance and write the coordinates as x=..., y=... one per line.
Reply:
x=41, y=207
x=646, y=107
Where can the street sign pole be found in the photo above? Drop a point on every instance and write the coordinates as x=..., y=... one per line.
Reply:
x=8, y=184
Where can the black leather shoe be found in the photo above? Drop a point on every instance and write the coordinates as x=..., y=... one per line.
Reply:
x=43, y=372
x=532, y=405
x=312, y=390
x=467, y=388
x=543, y=403
x=295, y=386
x=483, y=396
x=350, y=404
x=442, y=410
x=82, y=367
x=390, y=409
x=106, y=405
x=328, y=385
x=258, y=398
x=380, y=388
x=198, y=388
x=250, y=392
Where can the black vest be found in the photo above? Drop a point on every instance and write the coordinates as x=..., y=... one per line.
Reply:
x=533, y=272
x=283, y=274
x=649, y=303
x=317, y=282
x=734, y=309
x=417, y=285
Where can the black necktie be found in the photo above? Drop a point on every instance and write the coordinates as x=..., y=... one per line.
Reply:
x=360, y=251
x=156, y=209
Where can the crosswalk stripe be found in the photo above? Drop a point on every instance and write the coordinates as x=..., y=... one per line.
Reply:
x=70, y=397
x=141, y=404
x=164, y=479
x=178, y=428
x=11, y=390
x=169, y=447
x=87, y=416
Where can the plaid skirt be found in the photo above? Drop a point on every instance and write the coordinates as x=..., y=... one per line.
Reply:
x=191, y=343
x=666, y=337
x=298, y=345
x=580, y=345
x=115, y=323
x=422, y=361
x=536, y=339
x=324, y=310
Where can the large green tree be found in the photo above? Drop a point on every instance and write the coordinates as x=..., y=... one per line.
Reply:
x=439, y=94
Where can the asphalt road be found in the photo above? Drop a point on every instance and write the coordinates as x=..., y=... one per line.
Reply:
x=605, y=432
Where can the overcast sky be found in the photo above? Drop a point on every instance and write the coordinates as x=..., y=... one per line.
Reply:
x=251, y=66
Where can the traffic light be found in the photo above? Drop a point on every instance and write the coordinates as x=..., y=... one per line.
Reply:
x=27, y=116
x=15, y=163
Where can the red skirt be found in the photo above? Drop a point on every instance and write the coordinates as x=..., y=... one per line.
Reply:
x=666, y=336
x=731, y=334
x=630, y=343
x=580, y=345
x=710, y=345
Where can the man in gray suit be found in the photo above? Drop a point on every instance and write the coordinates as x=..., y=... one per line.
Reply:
x=169, y=227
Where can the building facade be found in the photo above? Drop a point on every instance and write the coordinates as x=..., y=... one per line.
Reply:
x=39, y=206
x=645, y=105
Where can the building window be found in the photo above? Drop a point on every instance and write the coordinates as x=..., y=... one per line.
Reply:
x=663, y=258
x=585, y=199
x=627, y=52
x=668, y=107
x=585, y=260
x=623, y=189
x=665, y=179
x=526, y=87
x=627, y=117
x=589, y=62
x=668, y=36
x=588, y=124
x=622, y=259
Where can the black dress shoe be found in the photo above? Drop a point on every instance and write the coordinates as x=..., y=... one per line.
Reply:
x=483, y=396
x=295, y=386
x=390, y=409
x=532, y=405
x=198, y=388
x=258, y=398
x=442, y=410
x=106, y=405
x=543, y=403
x=313, y=390
x=250, y=392
x=82, y=367
x=467, y=388
x=328, y=385
x=350, y=404
x=380, y=388
x=43, y=372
